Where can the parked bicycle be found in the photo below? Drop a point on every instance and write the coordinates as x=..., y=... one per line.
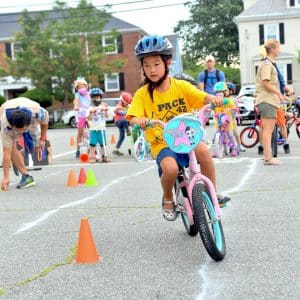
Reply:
x=196, y=200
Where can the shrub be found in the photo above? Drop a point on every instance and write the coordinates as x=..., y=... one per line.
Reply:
x=2, y=100
x=41, y=96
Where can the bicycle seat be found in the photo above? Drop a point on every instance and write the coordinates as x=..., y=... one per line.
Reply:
x=183, y=133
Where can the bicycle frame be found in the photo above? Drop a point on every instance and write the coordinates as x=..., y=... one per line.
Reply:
x=194, y=174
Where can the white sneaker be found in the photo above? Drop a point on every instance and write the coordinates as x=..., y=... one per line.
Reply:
x=242, y=148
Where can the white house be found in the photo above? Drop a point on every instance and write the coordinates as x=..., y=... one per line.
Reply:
x=270, y=19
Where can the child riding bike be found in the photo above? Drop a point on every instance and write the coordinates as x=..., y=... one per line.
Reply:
x=96, y=117
x=163, y=98
x=82, y=102
x=224, y=122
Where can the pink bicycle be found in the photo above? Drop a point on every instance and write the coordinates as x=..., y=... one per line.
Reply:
x=196, y=200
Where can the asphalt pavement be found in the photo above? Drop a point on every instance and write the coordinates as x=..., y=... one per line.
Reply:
x=143, y=255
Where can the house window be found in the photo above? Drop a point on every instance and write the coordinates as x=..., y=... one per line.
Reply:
x=294, y=3
x=109, y=44
x=286, y=71
x=15, y=48
x=271, y=31
x=111, y=82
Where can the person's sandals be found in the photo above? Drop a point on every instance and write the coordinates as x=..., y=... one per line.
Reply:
x=169, y=214
x=92, y=160
x=272, y=162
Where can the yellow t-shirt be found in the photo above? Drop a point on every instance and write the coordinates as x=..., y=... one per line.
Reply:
x=181, y=97
x=221, y=109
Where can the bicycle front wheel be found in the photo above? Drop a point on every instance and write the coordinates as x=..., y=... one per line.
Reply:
x=274, y=145
x=207, y=223
x=139, y=149
x=249, y=137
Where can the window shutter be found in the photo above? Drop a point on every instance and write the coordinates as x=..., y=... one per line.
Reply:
x=261, y=34
x=289, y=74
x=8, y=50
x=281, y=33
x=120, y=44
x=121, y=81
x=292, y=2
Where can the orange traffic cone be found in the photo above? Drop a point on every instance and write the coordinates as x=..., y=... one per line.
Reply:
x=113, y=139
x=72, y=179
x=86, y=248
x=72, y=141
x=82, y=176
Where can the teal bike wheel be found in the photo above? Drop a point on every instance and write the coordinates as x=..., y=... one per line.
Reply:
x=207, y=223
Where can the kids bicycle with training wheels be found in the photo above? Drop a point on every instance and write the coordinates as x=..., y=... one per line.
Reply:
x=196, y=200
x=140, y=146
x=223, y=139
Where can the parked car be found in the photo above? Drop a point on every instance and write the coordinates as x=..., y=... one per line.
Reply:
x=69, y=117
x=245, y=102
x=55, y=116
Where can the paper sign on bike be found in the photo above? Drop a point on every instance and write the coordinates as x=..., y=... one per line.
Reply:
x=183, y=133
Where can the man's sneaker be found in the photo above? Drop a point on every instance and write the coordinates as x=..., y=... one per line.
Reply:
x=117, y=152
x=260, y=150
x=286, y=148
x=242, y=148
x=26, y=181
x=223, y=200
x=77, y=154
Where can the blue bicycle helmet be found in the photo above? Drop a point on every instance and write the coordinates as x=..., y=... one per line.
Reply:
x=220, y=86
x=153, y=44
x=231, y=86
x=96, y=92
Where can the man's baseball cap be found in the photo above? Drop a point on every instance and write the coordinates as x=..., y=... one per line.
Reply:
x=209, y=57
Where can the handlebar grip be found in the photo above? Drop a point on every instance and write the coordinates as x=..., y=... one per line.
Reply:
x=225, y=102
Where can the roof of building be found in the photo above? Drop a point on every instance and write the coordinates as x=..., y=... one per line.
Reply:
x=9, y=24
x=268, y=9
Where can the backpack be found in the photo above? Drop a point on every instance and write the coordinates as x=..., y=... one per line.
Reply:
x=206, y=76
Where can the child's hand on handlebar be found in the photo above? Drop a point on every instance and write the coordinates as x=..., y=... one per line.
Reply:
x=143, y=122
x=217, y=100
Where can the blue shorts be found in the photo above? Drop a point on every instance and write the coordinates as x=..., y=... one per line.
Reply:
x=182, y=159
x=97, y=138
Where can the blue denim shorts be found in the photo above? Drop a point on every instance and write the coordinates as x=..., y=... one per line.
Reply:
x=182, y=159
x=96, y=137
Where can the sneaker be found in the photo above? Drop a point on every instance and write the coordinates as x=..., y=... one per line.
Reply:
x=26, y=181
x=260, y=150
x=77, y=154
x=223, y=200
x=286, y=148
x=117, y=152
x=233, y=153
x=242, y=148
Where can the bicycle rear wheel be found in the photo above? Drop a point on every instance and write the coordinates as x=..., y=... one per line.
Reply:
x=298, y=130
x=207, y=223
x=249, y=137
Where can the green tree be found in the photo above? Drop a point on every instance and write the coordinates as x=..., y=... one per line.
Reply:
x=211, y=30
x=57, y=46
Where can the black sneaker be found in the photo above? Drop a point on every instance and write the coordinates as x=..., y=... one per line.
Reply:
x=286, y=148
x=117, y=152
x=260, y=150
x=223, y=200
x=77, y=154
x=26, y=181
